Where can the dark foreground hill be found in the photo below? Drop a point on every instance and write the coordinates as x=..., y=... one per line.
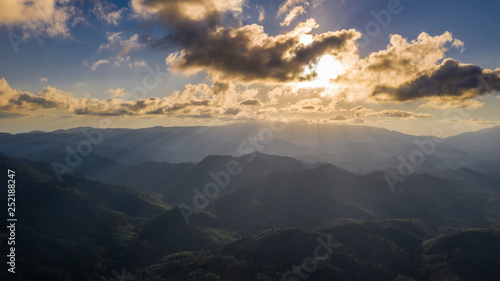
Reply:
x=298, y=222
x=355, y=250
x=73, y=225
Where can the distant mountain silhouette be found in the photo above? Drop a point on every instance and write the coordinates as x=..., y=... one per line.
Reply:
x=355, y=148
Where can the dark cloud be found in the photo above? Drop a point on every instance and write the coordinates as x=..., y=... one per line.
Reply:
x=358, y=108
x=32, y=99
x=248, y=54
x=187, y=22
x=213, y=40
x=10, y=115
x=339, y=117
x=392, y=113
x=450, y=79
x=251, y=102
x=475, y=121
x=232, y=111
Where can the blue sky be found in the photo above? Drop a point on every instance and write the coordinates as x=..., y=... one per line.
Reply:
x=62, y=54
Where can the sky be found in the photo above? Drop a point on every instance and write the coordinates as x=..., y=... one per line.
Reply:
x=405, y=65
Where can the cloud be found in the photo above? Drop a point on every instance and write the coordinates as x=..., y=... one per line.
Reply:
x=10, y=115
x=118, y=93
x=232, y=111
x=122, y=60
x=123, y=46
x=12, y=100
x=185, y=22
x=107, y=14
x=392, y=113
x=459, y=45
x=220, y=100
x=289, y=4
x=339, y=117
x=195, y=101
x=262, y=13
x=295, y=12
x=359, y=108
x=237, y=52
x=118, y=62
x=360, y=111
x=275, y=94
x=403, y=61
x=475, y=121
x=404, y=71
x=290, y=99
x=140, y=63
x=49, y=17
x=43, y=80
x=116, y=42
x=417, y=70
x=294, y=8
x=310, y=104
x=447, y=103
x=450, y=79
x=247, y=54
x=179, y=10
x=251, y=102
x=95, y=65
x=80, y=84
x=358, y=121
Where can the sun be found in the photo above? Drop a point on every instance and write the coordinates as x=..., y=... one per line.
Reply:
x=327, y=68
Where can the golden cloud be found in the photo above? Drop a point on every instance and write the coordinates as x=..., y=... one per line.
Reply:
x=247, y=54
x=449, y=79
x=50, y=17
x=220, y=100
x=176, y=10
x=415, y=70
x=391, y=113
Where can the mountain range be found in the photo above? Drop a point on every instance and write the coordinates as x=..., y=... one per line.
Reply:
x=355, y=148
x=126, y=212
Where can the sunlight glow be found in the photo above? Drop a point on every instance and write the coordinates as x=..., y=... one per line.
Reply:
x=327, y=68
x=306, y=39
